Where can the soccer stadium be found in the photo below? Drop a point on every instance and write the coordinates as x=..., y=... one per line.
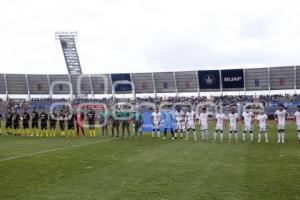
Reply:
x=173, y=133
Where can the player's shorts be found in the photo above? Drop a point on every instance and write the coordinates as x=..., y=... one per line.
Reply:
x=115, y=123
x=25, y=125
x=91, y=125
x=137, y=124
x=179, y=126
x=16, y=126
x=191, y=125
x=280, y=126
x=125, y=123
x=204, y=126
x=263, y=129
x=43, y=126
x=232, y=127
x=62, y=126
x=8, y=125
x=183, y=126
x=155, y=126
x=219, y=127
x=247, y=127
x=34, y=125
x=70, y=126
x=52, y=125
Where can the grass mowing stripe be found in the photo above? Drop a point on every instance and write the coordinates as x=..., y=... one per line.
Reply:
x=55, y=149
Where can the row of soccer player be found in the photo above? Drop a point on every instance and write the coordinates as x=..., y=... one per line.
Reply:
x=40, y=121
x=186, y=122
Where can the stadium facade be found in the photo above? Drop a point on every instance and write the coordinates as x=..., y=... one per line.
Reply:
x=250, y=79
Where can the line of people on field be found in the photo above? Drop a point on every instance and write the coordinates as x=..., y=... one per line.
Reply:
x=43, y=124
x=186, y=123
x=69, y=123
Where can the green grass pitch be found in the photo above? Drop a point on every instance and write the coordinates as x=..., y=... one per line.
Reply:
x=146, y=168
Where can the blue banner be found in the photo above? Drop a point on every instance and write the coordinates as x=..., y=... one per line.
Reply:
x=232, y=78
x=209, y=79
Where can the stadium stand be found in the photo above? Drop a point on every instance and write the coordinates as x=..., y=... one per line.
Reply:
x=38, y=84
x=2, y=84
x=60, y=88
x=143, y=83
x=17, y=84
x=165, y=82
x=267, y=79
x=186, y=81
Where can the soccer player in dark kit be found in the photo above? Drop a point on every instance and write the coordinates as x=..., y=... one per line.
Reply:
x=44, y=120
x=25, y=120
x=114, y=118
x=125, y=122
x=16, y=122
x=70, y=119
x=91, y=121
x=138, y=123
x=35, y=122
x=61, y=120
x=8, y=123
x=53, y=121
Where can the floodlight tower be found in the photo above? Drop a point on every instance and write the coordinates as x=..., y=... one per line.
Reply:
x=67, y=41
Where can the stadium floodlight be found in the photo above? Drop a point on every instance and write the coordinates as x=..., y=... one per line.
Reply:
x=67, y=41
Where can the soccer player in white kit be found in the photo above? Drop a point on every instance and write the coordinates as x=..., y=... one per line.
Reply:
x=179, y=117
x=191, y=120
x=280, y=116
x=233, y=119
x=297, y=119
x=220, y=116
x=203, y=121
x=247, y=118
x=262, y=119
x=156, y=119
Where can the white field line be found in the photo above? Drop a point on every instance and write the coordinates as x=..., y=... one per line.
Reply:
x=52, y=150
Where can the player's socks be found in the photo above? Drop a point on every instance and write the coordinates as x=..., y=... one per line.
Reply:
x=195, y=135
x=279, y=136
x=158, y=134
x=236, y=136
x=266, y=137
x=215, y=136
x=251, y=137
x=153, y=134
x=298, y=135
x=259, y=137
x=229, y=136
x=62, y=133
x=244, y=135
x=221, y=137
x=282, y=137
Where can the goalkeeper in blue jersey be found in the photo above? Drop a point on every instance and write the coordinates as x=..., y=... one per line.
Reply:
x=168, y=118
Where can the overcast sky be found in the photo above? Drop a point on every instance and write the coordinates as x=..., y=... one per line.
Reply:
x=149, y=35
